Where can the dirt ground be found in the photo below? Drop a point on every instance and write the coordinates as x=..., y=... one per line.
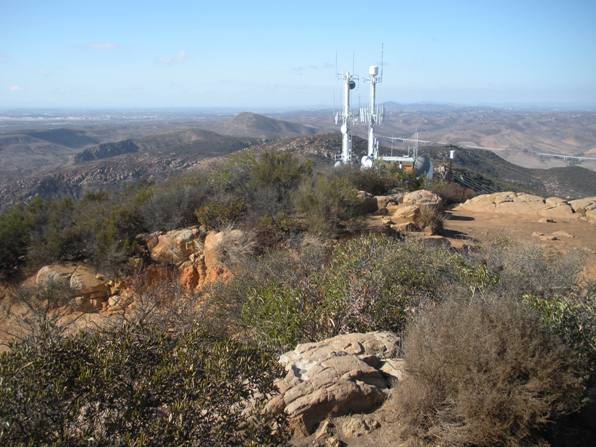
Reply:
x=464, y=226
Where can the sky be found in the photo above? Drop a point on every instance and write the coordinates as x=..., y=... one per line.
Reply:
x=282, y=54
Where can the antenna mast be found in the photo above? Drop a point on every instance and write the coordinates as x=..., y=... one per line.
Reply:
x=373, y=116
x=346, y=118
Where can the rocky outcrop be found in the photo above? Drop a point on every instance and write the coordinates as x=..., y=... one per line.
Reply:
x=345, y=374
x=384, y=201
x=585, y=207
x=197, y=255
x=106, y=150
x=531, y=206
x=582, y=205
x=176, y=246
x=422, y=197
x=405, y=211
x=88, y=288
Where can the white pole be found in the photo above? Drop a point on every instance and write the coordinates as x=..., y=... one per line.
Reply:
x=371, y=123
x=346, y=142
x=373, y=115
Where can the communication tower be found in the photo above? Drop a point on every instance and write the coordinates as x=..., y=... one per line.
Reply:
x=373, y=116
x=345, y=118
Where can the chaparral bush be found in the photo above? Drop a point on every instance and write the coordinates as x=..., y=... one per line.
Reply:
x=486, y=372
x=137, y=385
x=371, y=282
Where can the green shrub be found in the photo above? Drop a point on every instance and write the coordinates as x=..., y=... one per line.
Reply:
x=371, y=282
x=216, y=215
x=172, y=205
x=263, y=181
x=278, y=313
x=381, y=178
x=325, y=200
x=572, y=317
x=430, y=218
x=485, y=373
x=14, y=239
x=137, y=385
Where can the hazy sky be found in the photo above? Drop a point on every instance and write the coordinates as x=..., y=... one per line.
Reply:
x=105, y=54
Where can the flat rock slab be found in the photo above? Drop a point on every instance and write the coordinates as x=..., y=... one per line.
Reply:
x=345, y=374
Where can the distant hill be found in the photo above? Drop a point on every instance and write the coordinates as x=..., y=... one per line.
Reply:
x=22, y=154
x=253, y=125
x=516, y=135
x=65, y=137
x=196, y=142
x=106, y=150
x=114, y=165
x=568, y=181
x=492, y=173
x=156, y=157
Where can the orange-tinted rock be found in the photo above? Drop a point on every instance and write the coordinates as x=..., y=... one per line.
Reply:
x=174, y=247
x=188, y=277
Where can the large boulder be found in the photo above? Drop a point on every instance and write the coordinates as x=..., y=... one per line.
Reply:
x=85, y=281
x=557, y=208
x=345, y=374
x=384, y=201
x=591, y=215
x=404, y=213
x=520, y=203
x=75, y=279
x=55, y=275
x=582, y=205
x=528, y=206
x=213, y=259
x=174, y=247
x=88, y=289
x=422, y=197
x=218, y=248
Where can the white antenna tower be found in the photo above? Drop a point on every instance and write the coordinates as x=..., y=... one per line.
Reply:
x=346, y=118
x=374, y=115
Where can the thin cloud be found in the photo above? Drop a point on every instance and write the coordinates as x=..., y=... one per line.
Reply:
x=179, y=58
x=14, y=88
x=101, y=45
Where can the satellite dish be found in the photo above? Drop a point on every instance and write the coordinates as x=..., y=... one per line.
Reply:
x=352, y=85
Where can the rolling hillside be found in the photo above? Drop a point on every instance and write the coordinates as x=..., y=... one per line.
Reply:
x=253, y=125
x=117, y=164
x=493, y=173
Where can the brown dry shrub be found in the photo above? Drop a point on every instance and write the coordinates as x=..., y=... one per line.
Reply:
x=486, y=373
x=431, y=218
x=235, y=247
